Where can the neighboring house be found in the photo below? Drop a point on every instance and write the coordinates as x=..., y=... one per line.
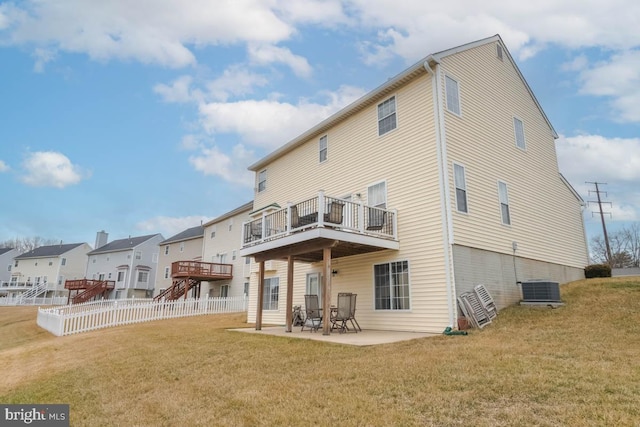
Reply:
x=442, y=178
x=184, y=246
x=132, y=263
x=6, y=264
x=222, y=239
x=46, y=268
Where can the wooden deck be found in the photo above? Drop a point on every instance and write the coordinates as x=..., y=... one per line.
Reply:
x=201, y=270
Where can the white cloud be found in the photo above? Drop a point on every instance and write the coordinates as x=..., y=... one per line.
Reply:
x=231, y=167
x=613, y=162
x=3, y=166
x=158, y=32
x=43, y=56
x=268, y=54
x=271, y=123
x=235, y=81
x=596, y=158
x=413, y=28
x=179, y=91
x=50, y=169
x=619, y=79
x=170, y=226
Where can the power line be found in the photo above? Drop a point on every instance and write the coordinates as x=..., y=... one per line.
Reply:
x=604, y=226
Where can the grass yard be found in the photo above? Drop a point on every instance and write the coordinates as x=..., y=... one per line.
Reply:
x=577, y=365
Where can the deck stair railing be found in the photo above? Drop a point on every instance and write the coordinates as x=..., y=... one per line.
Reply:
x=177, y=289
x=93, y=289
x=37, y=290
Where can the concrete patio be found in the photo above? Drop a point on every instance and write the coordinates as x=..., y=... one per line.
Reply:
x=364, y=338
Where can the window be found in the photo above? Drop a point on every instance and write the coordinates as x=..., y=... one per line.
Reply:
x=387, y=116
x=109, y=275
x=143, y=276
x=166, y=250
x=138, y=254
x=166, y=272
x=518, y=127
x=60, y=280
x=270, y=295
x=120, y=276
x=461, y=188
x=9, y=267
x=262, y=180
x=231, y=224
x=224, y=291
x=213, y=232
x=377, y=195
x=504, y=202
x=64, y=261
x=16, y=264
x=322, y=147
x=391, y=281
x=499, y=51
x=182, y=247
x=233, y=255
x=314, y=287
x=50, y=263
x=247, y=260
x=453, y=95
x=245, y=291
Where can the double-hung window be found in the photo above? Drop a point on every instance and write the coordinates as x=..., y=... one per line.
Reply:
x=377, y=195
x=270, y=294
x=322, y=148
x=461, y=188
x=262, y=180
x=518, y=128
x=504, y=203
x=387, y=116
x=453, y=95
x=391, y=282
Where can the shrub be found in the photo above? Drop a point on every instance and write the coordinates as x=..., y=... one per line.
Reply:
x=597, y=270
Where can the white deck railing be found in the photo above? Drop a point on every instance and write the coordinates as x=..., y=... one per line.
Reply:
x=106, y=313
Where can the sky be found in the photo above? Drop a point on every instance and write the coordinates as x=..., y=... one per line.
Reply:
x=141, y=117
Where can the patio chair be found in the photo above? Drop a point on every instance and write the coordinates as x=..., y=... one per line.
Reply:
x=256, y=230
x=295, y=218
x=376, y=219
x=343, y=313
x=334, y=214
x=313, y=313
x=352, y=317
x=486, y=300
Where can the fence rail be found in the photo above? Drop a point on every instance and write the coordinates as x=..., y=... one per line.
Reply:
x=103, y=314
x=20, y=300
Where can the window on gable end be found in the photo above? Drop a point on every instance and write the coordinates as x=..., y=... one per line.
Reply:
x=499, y=51
x=461, y=188
x=518, y=127
x=387, y=116
x=262, y=181
x=503, y=194
x=322, y=148
x=453, y=95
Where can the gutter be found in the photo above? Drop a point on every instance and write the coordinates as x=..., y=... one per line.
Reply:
x=443, y=181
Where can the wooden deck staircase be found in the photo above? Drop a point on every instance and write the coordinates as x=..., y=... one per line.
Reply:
x=90, y=289
x=177, y=289
x=189, y=274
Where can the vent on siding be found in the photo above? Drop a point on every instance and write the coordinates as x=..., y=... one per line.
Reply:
x=540, y=291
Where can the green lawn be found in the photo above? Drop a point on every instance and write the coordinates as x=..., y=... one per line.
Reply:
x=577, y=365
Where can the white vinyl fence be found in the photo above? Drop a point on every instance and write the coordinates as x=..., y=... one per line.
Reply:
x=72, y=319
x=19, y=300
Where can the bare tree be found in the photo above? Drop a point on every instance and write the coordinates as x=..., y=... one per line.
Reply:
x=26, y=244
x=624, y=244
x=632, y=237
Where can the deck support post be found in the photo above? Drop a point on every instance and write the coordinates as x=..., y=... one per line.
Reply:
x=289, y=293
x=260, y=294
x=326, y=292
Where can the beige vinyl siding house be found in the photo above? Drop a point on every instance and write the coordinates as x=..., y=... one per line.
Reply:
x=52, y=265
x=222, y=237
x=184, y=246
x=393, y=153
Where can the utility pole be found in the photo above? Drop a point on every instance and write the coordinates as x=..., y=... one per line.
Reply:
x=604, y=227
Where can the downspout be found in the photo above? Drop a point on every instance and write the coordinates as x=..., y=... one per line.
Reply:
x=443, y=181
